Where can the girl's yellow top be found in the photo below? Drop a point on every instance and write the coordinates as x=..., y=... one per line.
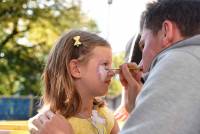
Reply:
x=101, y=122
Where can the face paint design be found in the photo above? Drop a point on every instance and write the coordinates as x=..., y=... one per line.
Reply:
x=102, y=72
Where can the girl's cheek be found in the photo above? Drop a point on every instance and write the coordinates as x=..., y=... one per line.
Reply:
x=102, y=73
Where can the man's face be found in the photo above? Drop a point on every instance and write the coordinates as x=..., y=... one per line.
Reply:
x=151, y=45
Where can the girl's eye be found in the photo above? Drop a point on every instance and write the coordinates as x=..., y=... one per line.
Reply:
x=106, y=65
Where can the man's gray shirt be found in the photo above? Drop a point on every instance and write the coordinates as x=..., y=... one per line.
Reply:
x=169, y=102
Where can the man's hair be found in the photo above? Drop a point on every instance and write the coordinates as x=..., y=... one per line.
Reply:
x=184, y=13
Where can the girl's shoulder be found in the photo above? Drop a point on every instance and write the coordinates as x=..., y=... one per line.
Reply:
x=101, y=114
x=108, y=115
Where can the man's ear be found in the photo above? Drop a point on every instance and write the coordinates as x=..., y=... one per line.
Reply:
x=168, y=33
x=74, y=68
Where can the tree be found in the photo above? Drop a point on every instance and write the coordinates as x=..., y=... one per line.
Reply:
x=28, y=28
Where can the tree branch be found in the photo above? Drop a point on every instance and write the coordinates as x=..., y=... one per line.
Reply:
x=7, y=38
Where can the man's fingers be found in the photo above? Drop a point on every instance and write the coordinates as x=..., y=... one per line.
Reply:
x=118, y=116
x=43, y=118
x=124, y=117
x=33, y=131
x=49, y=114
x=37, y=123
x=127, y=74
x=32, y=128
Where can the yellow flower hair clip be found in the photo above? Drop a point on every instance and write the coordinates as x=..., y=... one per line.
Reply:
x=77, y=42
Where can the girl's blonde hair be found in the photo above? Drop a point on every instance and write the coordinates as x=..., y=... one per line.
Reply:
x=60, y=93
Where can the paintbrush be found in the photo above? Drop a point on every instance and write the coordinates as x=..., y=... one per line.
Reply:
x=117, y=70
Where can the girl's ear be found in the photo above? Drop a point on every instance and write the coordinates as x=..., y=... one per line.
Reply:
x=74, y=68
x=168, y=33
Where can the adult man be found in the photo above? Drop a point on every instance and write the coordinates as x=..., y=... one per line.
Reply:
x=169, y=101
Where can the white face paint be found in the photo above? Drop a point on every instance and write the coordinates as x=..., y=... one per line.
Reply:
x=103, y=72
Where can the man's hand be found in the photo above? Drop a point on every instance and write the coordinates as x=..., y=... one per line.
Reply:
x=121, y=113
x=49, y=123
x=130, y=79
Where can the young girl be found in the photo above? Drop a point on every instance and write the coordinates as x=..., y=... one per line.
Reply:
x=74, y=76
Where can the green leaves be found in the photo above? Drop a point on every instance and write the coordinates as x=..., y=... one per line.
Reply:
x=28, y=29
x=115, y=87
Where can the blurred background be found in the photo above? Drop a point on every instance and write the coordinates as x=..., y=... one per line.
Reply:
x=29, y=28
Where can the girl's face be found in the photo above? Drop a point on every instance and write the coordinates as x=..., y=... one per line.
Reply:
x=95, y=77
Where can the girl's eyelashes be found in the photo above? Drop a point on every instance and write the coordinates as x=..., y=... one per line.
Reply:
x=106, y=65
